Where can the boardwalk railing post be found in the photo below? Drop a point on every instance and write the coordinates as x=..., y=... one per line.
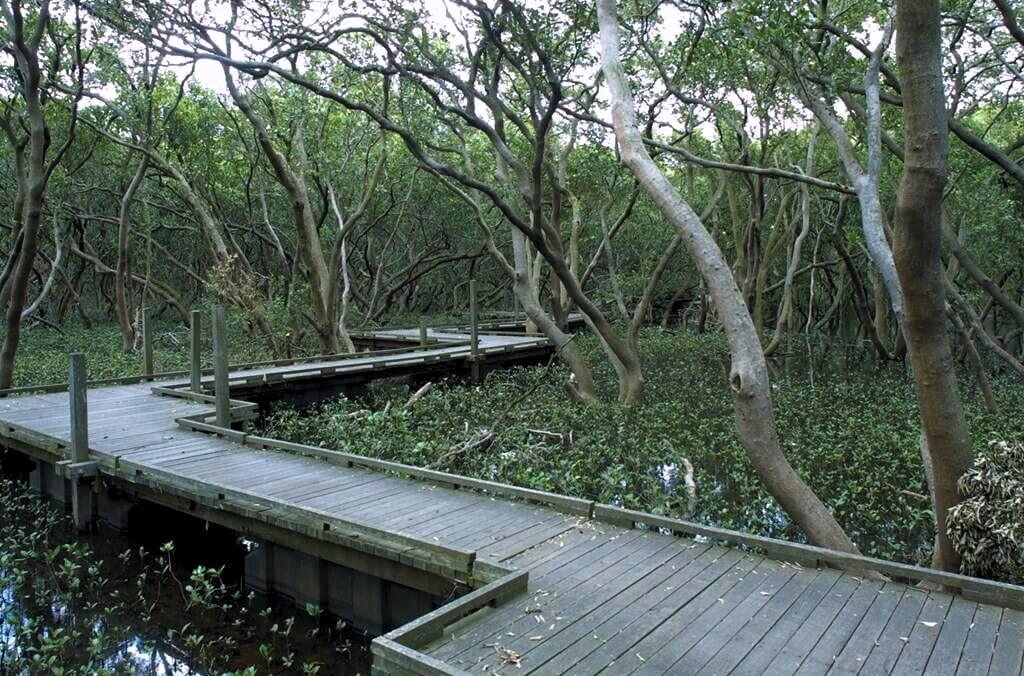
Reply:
x=79, y=409
x=82, y=503
x=474, y=332
x=474, y=321
x=220, y=368
x=423, y=331
x=147, y=342
x=196, y=365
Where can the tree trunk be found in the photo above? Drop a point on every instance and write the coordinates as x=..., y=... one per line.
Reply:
x=918, y=249
x=122, y=280
x=27, y=62
x=293, y=181
x=755, y=419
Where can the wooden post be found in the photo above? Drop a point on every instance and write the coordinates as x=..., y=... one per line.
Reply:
x=423, y=331
x=515, y=306
x=196, y=366
x=474, y=334
x=79, y=409
x=147, y=342
x=220, y=368
x=474, y=321
x=83, y=504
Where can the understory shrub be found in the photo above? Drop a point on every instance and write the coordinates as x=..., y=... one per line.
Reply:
x=987, y=528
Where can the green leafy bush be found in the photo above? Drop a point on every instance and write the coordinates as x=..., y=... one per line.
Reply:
x=987, y=528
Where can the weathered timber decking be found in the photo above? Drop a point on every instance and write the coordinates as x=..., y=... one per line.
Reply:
x=561, y=585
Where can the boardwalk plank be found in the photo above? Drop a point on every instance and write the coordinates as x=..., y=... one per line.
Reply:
x=546, y=576
x=555, y=622
x=792, y=653
x=740, y=603
x=565, y=620
x=768, y=647
x=921, y=639
x=1009, y=652
x=834, y=639
x=864, y=637
x=894, y=636
x=739, y=644
x=980, y=644
x=675, y=611
x=950, y=643
x=598, y=629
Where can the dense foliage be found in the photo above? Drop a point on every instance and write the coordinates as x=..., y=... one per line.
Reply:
x=988, y=526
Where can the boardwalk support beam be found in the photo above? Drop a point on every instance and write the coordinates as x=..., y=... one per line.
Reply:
x=196, y=363
x=221, y=389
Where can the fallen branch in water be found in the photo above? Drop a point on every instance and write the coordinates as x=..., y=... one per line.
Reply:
x=482, y=439
x=565, y=439
x=419, y=394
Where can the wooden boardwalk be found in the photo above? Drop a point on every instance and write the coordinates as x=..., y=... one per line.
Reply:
x=560, y=585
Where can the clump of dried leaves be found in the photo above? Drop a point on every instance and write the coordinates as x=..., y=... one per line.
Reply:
x=987, y=528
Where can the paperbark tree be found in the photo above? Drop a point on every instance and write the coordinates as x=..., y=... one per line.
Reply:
x=748, y=378
x=122, y=286
x=866, y=179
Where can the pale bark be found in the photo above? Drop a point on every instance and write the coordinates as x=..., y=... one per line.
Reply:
x=866, y=180
x=582, y=388
x=974, y=359
x=122, y=280
x=749, y=374
x=980, y=278
x=58, y=260
x=38, y=166
x=782, y=321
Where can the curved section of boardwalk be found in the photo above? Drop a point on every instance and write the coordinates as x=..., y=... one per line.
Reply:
x=558, y=590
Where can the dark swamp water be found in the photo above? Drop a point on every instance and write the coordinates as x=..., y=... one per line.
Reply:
x=166, y=600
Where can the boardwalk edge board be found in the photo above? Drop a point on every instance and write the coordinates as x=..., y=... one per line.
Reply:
x=1005, y=594
x=398, y=648
x=566, y=504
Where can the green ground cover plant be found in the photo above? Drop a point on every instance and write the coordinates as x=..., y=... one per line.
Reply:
x=850, y=429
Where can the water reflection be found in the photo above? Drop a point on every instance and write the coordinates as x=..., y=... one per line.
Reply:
x=124, y=605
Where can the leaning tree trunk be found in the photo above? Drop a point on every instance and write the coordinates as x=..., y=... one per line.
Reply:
x=26, y=59
x=755, y=419
x=123, y=277
x=946, y=443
